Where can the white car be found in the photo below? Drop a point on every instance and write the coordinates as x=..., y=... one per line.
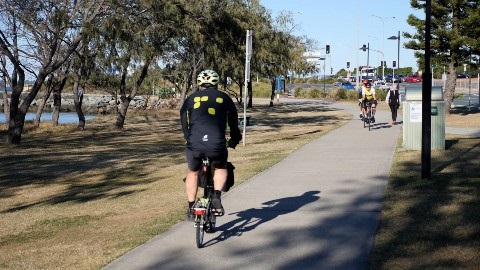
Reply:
x=381, y=85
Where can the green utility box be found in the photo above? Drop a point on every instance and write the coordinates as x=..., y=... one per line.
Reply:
x=412, y=118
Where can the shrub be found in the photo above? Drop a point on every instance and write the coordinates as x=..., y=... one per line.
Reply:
x=166, y=93
x=342, y=93
x=380, y=94
x=314, y=93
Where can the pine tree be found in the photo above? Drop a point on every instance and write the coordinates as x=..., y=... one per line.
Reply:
x=454, y=37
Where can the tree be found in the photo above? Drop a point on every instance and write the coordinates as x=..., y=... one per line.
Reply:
x=135, y=35
x=454, y=37
x=32, y=37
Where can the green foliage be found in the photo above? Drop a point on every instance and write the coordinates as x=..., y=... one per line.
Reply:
x=166, y=93
x=262, y=89
x=299, y=92
x=381, y=94
x=342, y=93
x=314, y=93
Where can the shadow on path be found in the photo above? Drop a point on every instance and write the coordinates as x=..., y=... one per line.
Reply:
x=252, y=218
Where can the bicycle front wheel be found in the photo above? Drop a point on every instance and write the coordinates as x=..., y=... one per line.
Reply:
x=369, y=118
x=200, y=231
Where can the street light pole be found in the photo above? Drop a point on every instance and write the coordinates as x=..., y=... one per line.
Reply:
x=383, y=35
x=398, y=55
x=324, y=91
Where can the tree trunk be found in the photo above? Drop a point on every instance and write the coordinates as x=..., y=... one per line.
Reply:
x=124, y=100
x=77, y=101
x=122, y=111
x=19, y=110
x=6, y=107
x=450, y=86
x=41, y=106
x=57, y=100
x=241, y=92
x=273, y=92
x=57, y=104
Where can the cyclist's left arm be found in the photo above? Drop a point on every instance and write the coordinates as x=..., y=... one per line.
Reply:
x=232, y=118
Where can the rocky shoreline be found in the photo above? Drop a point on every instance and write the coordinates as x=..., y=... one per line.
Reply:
x=103, y=104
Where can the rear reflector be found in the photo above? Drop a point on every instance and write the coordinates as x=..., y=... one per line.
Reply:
x=199, y=211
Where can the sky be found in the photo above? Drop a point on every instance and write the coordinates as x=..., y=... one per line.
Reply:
x=348, y=24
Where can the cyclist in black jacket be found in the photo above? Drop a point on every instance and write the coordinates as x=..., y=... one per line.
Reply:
x=204, y=116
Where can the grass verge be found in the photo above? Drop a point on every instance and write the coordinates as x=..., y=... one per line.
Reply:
x=78, y=200
x=434, y=223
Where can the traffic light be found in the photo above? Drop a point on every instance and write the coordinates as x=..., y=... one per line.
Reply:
x=385, y=63
x=364, y=47
x=394, y=63
x=327, y=49
x=348, y=64
x=331, y=70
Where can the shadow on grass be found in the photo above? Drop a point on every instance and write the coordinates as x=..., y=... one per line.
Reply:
x=432, y=223
x=101, y=162
x=465, y=110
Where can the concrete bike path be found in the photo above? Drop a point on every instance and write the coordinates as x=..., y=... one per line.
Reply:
x=316, y=209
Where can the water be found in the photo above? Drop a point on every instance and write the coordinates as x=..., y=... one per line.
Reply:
x=65, y=117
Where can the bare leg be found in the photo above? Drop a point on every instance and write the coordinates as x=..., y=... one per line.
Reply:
x=191, y=185
x=219, y=178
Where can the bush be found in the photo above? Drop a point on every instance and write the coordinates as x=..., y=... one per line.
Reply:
x=314, y=93
x=342, y=93
x=381, y=94
x=166, y=93
x=299, y=92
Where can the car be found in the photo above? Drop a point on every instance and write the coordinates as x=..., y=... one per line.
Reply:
x=391, y=79
x=380, y=85
x=413, y=79
x=346, y=85
x=462, y=76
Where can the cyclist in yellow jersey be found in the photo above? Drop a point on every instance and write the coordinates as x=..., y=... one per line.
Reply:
x=368, y=95
x=360, y=97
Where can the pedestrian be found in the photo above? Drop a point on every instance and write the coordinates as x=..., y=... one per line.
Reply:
x=393, y=100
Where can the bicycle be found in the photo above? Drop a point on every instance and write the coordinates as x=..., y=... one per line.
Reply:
x=367, y=119
x=204, y=216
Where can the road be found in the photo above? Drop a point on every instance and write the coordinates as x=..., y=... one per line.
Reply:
x=470, y=98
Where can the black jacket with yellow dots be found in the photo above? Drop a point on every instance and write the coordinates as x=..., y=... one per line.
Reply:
x=204, y=116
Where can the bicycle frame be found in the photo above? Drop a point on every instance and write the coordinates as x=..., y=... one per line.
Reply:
x=204, y=218
x=367, y=115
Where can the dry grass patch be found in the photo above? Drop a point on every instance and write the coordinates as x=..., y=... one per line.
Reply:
x=79, y=199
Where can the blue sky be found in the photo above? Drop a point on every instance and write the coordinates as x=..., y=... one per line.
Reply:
x=348, y=24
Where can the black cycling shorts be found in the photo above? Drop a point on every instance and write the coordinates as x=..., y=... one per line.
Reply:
x=217, y=159
x=365, y=102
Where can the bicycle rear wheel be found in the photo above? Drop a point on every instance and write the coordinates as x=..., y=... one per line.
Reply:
x=200, y=231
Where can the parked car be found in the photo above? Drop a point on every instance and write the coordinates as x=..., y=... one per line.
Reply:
x=413, y=79
x=462, y=76
x=346, y=85
x=380, y=85
x=391, y=79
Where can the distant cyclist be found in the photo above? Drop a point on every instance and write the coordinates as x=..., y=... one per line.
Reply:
x=360, y=97
x=204, y=116
x=368, y=95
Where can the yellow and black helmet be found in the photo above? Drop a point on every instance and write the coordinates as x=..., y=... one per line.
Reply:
x=207, y=77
